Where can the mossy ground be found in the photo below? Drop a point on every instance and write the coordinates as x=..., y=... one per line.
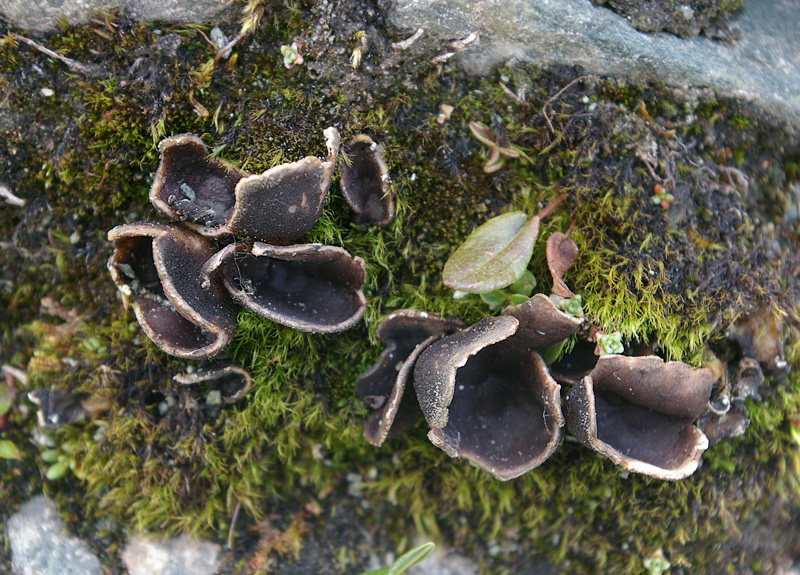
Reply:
x=673, y=279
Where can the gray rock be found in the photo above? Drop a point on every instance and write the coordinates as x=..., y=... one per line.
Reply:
x=445, y=562
x=763, y=67
x=40, y=546
x=42, y=15
x=146, y=555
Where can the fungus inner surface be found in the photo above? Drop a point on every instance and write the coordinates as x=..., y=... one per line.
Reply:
x=307, y=289
x=497, y=413
x=198, y=189
x=643, y=434
x=134, y=260
x=363, y=181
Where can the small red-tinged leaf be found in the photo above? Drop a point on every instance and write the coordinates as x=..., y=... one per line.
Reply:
x=494, y=256
x=561, y=253
x=8, y=450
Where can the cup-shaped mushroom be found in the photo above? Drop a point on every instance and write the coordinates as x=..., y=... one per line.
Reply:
x=159, y=266
x=406, y=334
x=576, y=364
x=365, y=182
x=541, y=323
x=489, y=399
x=283, y=203
x=193, y=187
x=231, y=381
x=638, y=412
x=310, y=287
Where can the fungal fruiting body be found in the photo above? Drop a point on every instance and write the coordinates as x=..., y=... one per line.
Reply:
x=387, y=386
x=158, y=266
x=639, y=412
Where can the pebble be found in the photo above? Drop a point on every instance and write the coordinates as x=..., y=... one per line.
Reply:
x=183, y=555
x=40, y=544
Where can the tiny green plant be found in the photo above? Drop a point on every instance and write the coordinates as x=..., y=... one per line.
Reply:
x=60, y=461
x=496, y=254
x=610, y=343
x=406, y=560
x=8, y=450
x=518, y=292
x=656, y=564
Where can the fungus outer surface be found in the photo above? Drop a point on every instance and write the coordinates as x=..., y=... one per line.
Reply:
x=435, y=373
x=638, y=411
x=406, y=334
x=310, y=287
x=159, y=265
x=283, y=203
x=402, y=331
x=232, y=381
x=400, y=410
x=541, y=323
x=190, y=186
x=365, y=182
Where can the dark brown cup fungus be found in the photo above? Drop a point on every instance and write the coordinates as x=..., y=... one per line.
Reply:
x=365, y=182
x=310, y=287
x=283, y=203
x=406, y=334
x=58, y=408
x=489, y=398
x=217, y=200
x=231, y=381
x=159, y=265
x=576, y=364
x=191, y=186
x=638, y=412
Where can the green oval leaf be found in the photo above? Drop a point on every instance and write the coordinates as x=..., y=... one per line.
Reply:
x=517, y=299
x=49, y=455
x=8, y=450
x=494, y=298
x=494, y=256
x=57, y=471
x=524, y=285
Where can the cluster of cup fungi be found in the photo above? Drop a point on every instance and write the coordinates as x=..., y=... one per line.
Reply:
x=184, y=292
x=489, y=397
x=485, y=391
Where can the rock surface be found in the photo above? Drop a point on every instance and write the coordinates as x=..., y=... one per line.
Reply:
x=43, y=15
x=145, y=555
x=444, y=562
x=762, y=67
x=39, y=545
